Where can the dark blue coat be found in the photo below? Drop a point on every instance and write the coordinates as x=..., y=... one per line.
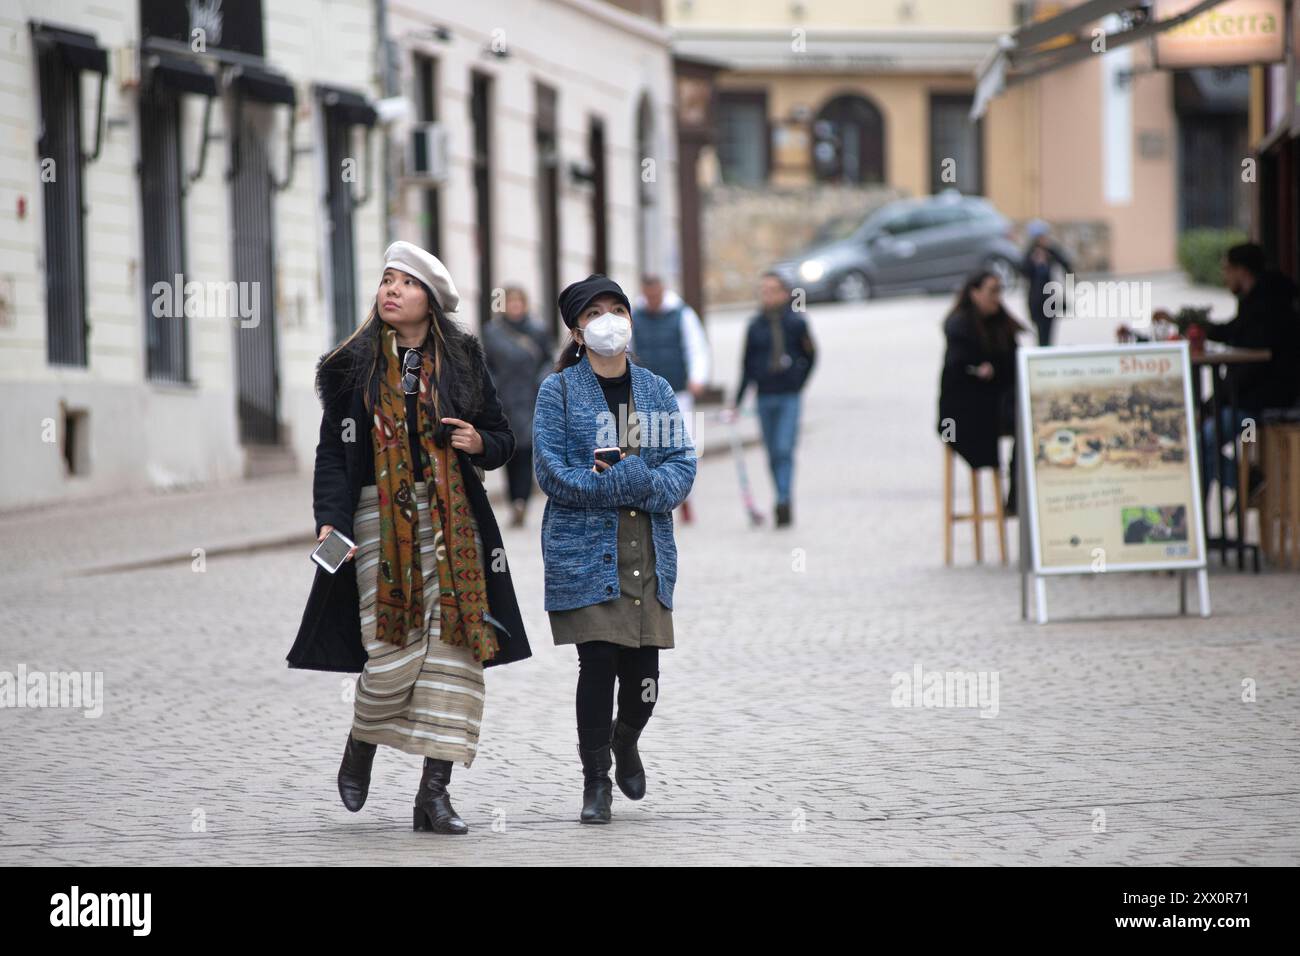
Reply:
x=797, y=360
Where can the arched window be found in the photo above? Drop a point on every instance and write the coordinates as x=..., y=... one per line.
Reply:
x=848, y=142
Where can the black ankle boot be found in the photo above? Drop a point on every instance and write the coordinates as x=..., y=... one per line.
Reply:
x=597, y=790
x=433, y=810
x=354, y=772
x=783, y=515
x=629, y=773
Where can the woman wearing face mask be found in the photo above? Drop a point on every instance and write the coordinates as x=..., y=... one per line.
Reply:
x=422, y=605
x=607, y=531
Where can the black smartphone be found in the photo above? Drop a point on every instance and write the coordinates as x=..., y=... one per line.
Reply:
x=610, y=456
x=333, y=551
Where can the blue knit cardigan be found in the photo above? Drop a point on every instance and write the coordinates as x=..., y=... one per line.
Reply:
x=580, y=523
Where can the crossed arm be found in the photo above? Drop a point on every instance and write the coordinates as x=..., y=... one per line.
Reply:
x=629, y=483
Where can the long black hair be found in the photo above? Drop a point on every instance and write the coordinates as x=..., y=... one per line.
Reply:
x=457, y=362
x=997, y=331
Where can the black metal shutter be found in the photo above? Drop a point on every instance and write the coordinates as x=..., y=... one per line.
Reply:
x=164, y=232
x=65, y=274
x=252, y=227
x=338, y=199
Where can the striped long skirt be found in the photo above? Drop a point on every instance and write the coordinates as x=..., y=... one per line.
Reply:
x=426, y=697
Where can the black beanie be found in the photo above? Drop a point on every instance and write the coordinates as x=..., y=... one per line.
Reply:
x=578, y=295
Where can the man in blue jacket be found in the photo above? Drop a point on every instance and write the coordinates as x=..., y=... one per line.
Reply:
x=778, y=358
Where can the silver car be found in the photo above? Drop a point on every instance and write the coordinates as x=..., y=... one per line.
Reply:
x=909, y=245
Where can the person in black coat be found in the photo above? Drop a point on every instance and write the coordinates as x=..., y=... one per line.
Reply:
x=978, y=384
x=472, y=423
x=1266, y=319
x=1042, y=257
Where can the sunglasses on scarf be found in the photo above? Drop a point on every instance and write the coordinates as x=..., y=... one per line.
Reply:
x=411, y=363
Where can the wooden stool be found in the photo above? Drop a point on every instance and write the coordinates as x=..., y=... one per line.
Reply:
x=977, y=517
x=1279, y=512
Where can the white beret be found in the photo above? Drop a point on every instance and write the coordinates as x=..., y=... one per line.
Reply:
x=409, y=258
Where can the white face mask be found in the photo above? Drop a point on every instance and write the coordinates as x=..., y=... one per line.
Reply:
x=608, y=334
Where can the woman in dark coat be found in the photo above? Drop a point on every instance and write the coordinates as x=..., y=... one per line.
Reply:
x=978, y=384
x=518, y=356
x=410, y=416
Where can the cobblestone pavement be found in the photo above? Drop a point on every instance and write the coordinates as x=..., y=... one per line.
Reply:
x=1115, y=741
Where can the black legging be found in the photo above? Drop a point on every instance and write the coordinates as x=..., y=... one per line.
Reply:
x=599, y=663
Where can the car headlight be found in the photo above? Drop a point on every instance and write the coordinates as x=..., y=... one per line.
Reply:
x=812, y=270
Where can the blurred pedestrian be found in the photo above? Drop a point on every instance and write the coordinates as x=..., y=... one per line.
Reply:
x=977, y=388
x=417, y=607
x=669, y=340
x=518, y=356
x=607, y=533
x=1042, y=257
x=1266, y=319
x=778, y=357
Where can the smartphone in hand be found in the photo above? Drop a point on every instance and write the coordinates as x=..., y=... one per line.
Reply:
x=610, y=456
x=332, y=551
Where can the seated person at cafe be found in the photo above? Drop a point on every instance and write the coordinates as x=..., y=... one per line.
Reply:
x=1266, y=319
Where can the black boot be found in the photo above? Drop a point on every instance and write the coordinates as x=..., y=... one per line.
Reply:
x=354, y=772
x=597, y=790
x=783, y=515
x=629, y=774
x=433, y=810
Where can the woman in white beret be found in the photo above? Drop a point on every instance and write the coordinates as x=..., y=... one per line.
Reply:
x=425, y=601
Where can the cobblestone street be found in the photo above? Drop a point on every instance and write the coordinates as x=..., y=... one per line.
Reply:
x=1122, y=740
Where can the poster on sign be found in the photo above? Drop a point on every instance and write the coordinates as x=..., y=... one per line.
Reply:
x=1110, y=459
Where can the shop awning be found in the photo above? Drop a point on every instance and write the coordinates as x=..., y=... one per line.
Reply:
x=265, y=86
x=351, y=107
x=81, y=51
x=1036, y=48
x=178, y=73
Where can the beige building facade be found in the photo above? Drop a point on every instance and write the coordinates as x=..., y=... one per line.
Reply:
x=1091, y=148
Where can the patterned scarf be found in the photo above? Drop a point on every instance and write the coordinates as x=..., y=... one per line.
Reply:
x=399, y=601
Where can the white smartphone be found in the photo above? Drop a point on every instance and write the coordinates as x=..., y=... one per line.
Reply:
x=333, y=551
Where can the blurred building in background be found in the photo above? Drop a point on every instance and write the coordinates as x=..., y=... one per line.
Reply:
x=178, y=250
x=1117, y=155
x=541, y=146
x=198, y=195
